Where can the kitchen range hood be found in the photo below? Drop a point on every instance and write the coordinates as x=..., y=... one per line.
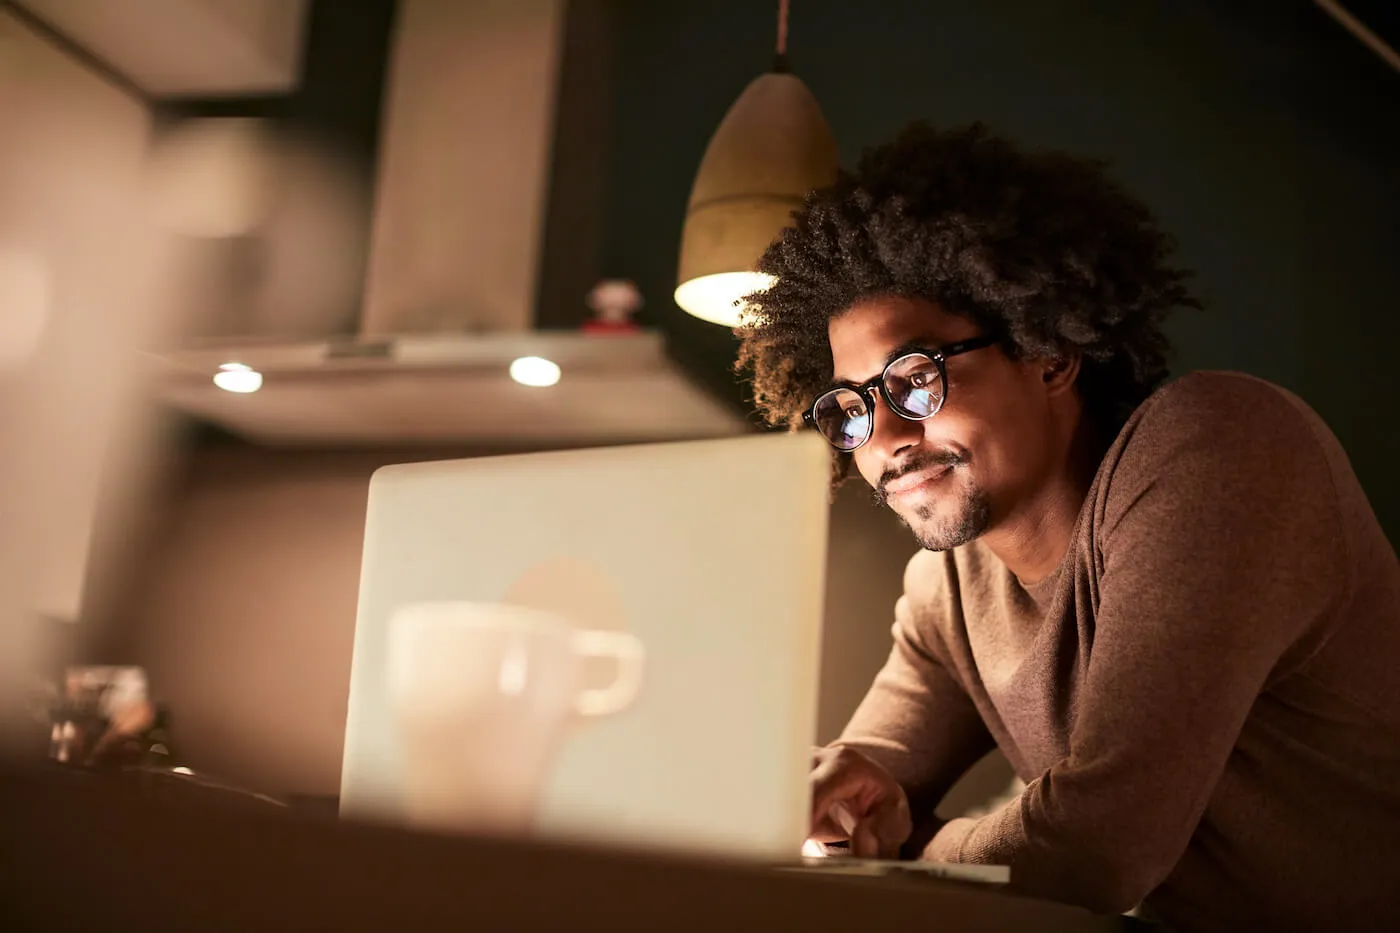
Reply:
x=468, y=121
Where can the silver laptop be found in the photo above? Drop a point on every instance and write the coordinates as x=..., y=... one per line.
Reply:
x=709, y=555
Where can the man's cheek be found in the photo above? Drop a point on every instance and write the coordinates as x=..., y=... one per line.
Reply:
x=869, y=470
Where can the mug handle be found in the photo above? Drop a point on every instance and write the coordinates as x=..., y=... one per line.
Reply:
x=618, y=695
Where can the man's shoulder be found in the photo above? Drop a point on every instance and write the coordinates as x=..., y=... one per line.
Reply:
x=1224, y=421
x=1210, y=443
x=1205, y=402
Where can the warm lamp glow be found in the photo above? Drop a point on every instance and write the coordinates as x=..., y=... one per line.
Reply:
x=719, y=298
x=236, y=377
x=535, y=371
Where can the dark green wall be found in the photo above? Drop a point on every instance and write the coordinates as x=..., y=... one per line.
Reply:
x=1263, y=135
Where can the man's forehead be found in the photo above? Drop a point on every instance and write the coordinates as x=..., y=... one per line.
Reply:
x=873, y=357
x=865, y=338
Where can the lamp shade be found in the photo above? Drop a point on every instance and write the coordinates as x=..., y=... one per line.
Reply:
x=771, y=148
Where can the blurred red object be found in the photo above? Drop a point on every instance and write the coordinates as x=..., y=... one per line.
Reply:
x=613, y=302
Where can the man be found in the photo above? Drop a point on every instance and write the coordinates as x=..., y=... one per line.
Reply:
x=1171, y=607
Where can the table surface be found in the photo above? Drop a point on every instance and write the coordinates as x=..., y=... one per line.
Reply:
x=122, y=854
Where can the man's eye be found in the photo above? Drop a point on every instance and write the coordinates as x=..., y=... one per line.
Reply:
x=855, y=411
x=918, y=380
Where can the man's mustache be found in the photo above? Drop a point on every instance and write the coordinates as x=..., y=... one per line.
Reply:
x=915, y=464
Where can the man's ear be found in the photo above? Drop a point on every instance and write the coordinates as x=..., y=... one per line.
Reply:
x=1060, y=372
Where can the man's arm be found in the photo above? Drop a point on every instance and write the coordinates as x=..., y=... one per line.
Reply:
x=916, y=721
x=1221, y=554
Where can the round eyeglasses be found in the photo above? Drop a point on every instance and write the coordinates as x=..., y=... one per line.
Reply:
x=913, y=385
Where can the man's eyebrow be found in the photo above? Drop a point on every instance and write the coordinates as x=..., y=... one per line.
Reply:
x=909, y=346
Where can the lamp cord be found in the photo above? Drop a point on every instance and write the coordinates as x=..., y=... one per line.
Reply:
x=780, y=62
x=1358, y=29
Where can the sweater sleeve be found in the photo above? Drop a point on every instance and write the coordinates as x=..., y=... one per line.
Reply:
x=916, y=720
x=1221, y=557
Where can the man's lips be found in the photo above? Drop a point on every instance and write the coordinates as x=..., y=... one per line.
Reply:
x=910, y=482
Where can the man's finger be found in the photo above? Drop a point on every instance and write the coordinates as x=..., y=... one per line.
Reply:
x=833, y=818
x=841, y=812
x=864, y=843
x=890, y=824
x=880, y=832
x=832, y=784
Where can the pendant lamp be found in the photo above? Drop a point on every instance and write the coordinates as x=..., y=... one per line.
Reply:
x=771, y=148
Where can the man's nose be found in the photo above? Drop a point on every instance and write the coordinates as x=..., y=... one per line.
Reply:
x=892, y=434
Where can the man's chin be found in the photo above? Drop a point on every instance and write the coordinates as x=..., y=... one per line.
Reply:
x=937, y=530
x=942, y=537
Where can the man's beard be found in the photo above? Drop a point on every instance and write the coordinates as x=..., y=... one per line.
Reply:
x=972, y=517
x=968, y=520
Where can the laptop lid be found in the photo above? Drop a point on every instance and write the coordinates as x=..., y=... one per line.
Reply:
x=710, y=553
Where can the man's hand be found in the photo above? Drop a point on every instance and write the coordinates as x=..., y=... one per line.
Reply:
x=850, y=788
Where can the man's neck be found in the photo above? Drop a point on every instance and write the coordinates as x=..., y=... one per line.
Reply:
x=1033, y=540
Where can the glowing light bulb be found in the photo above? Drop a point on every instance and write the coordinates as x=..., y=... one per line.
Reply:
x=236, y=377
x=719, y=298
x=534, y=371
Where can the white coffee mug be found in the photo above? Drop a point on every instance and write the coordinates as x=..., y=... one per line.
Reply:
x=483, y=696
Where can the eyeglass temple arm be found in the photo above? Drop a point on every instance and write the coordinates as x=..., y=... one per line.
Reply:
x=966, y=346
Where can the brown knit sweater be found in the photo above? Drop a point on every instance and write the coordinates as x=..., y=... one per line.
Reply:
x=1203, y=698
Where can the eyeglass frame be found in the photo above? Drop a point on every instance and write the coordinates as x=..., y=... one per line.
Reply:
x=876, y=386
